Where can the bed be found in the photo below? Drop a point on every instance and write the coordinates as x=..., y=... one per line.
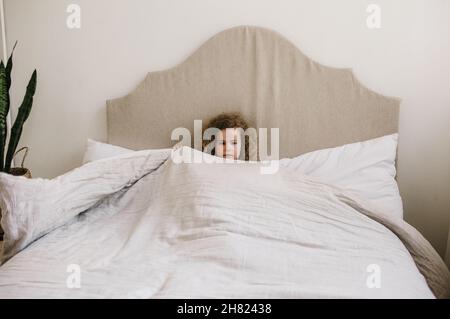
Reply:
x=138, y=224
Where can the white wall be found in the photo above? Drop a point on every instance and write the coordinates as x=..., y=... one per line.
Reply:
x=120, y=40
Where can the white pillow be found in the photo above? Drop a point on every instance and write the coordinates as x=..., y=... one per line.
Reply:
x=367, y=169
x=98, y=150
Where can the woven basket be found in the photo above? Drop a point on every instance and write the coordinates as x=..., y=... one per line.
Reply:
x=21, y=171
x=17, y=171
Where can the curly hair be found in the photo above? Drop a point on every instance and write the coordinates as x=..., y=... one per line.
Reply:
x=229, y=120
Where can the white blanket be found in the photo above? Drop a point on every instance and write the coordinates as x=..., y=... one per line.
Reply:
x=223, y=231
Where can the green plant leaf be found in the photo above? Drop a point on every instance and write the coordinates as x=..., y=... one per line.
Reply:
x=5, y=85
x=4, y=109
x=9, y=66
x=22, y=116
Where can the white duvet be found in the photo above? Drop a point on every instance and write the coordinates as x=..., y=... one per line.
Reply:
x=169, y=230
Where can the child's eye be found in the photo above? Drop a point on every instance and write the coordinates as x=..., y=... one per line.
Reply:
x=234, y=142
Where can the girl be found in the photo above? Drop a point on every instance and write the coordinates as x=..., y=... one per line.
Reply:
x=227, y=143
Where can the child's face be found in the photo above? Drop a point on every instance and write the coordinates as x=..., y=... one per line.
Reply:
x=228, y=143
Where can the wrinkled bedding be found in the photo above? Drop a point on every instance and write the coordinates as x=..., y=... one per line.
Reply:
x=221, y=231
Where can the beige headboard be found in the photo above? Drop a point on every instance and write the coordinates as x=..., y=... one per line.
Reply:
x=259, y=73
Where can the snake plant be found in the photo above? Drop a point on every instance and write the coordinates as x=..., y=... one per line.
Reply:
x=22, y=114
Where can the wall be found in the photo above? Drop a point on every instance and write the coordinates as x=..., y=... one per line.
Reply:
x=120, y=40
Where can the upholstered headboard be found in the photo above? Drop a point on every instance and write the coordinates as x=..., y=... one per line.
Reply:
x=259, y=73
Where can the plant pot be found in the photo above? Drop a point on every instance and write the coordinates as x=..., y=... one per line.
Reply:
x=20, y=171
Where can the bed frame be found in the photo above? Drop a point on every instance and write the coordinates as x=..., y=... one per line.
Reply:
x=261, y=74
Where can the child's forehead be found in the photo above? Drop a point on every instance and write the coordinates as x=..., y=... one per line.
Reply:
x=229, y=133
